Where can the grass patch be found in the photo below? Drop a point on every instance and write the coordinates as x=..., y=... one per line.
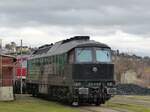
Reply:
x=34, y=105
x=144, y=98
x=130, y=107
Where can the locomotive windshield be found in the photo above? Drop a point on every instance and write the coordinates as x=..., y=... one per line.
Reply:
x=103, y=55
x=84, y=55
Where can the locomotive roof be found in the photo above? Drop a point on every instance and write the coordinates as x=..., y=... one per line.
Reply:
x=66, y=45
x=43, y=49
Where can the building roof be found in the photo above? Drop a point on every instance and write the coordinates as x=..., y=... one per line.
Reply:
x=7, y=56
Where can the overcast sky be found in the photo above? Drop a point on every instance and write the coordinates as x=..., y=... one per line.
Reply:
x=122, y=24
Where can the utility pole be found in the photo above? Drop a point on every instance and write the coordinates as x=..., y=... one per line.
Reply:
x=1, y=66
x=1, y=70
x=21, y=69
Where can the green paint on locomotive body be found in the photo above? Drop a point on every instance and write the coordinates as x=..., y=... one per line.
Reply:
x=50, y=65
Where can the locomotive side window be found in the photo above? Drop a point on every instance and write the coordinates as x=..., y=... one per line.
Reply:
x=103, y=55
x=84, y=55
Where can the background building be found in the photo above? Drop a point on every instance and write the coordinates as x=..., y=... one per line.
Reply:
x=7, y=73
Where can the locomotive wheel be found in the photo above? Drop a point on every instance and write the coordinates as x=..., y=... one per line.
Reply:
x=33, y=94
x=103, y=100
x=34, y=90
x=98, y=102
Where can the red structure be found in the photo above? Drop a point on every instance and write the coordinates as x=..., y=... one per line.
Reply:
x=7, y=70
x=21, y=71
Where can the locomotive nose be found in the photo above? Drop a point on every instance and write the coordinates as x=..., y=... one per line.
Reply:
x=93, y=71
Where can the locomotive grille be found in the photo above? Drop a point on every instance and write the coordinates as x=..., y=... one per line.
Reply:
x=83, y=91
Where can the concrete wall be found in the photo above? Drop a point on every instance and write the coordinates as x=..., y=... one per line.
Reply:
x=6, y=94
x=129, y=77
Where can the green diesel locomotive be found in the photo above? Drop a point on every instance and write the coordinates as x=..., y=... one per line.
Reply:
x=76, y=70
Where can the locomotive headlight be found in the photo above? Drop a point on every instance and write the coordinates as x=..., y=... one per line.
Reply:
x=111, y=91
x=109, y=83
x=77, y=84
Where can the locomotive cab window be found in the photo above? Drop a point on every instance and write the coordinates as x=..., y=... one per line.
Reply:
x=84, y=55
x=103, y=55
